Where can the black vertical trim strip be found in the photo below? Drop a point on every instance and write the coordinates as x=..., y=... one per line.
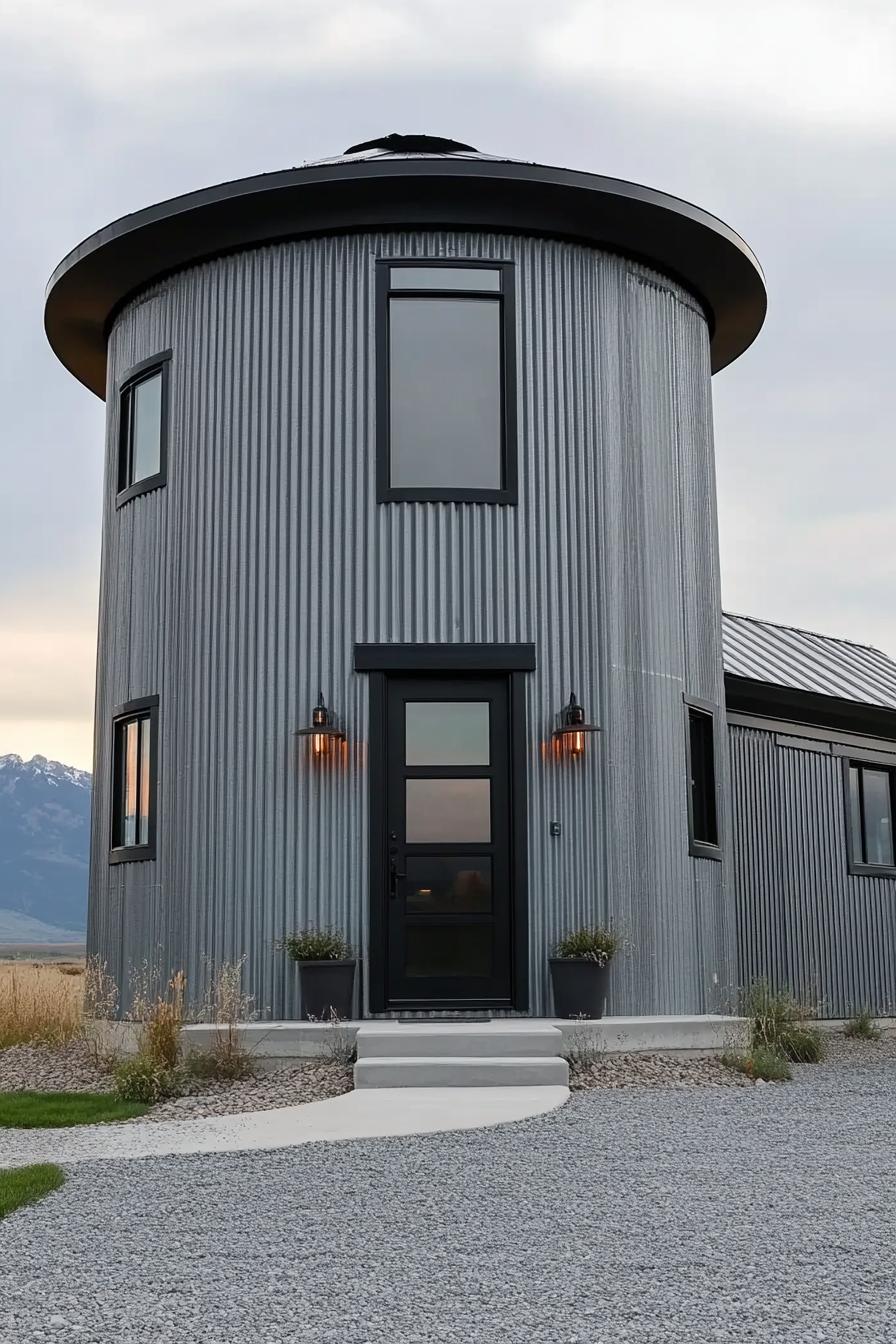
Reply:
x=519, y=849
x=377, y=953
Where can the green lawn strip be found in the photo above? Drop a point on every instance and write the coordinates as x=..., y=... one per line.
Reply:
x=25, y=1185
x=56, y=1110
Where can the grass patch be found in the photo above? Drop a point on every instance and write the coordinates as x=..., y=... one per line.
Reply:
x=39, y=1003
x=26, y=1185
x=779, y=1026
x=56, y=1110
x=862, y=1027
x=758, y=1063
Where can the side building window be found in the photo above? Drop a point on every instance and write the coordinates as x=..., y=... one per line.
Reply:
x=446, y=385
x=871, y=802
x=134, y=769
x=703, y=818
x=143, y=428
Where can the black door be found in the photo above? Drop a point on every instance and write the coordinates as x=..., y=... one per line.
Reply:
x=447, y=869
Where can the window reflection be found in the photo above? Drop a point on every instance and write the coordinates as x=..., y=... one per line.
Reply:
x=451, y=811
x=449, y=885
x=447, y=732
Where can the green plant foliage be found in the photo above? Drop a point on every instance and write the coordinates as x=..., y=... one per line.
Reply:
x=317, y=945
x=56, y=1110
x=779, y=1024
x=862, y=1027
x=142, y=1080
x=26, y=1185
x=226, y=1061
x=593, y=944
x=758, y=1063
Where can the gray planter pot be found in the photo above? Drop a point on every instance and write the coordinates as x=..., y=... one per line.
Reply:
x=328, y=988
x=580, y=986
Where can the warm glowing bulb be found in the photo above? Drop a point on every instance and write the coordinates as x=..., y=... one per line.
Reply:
x=578, y=744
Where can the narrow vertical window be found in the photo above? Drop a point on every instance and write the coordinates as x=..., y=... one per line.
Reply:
x=702, y=806
x=134, y=752
x=143, y=428
x=446, y=390
x=871, y=807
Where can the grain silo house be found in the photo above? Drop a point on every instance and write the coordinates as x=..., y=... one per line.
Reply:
x=410, y=618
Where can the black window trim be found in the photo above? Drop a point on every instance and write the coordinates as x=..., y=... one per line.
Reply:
x=857, y=867
x=386, y=493
x=702, y=849
x=134, y=709
x=139, y=373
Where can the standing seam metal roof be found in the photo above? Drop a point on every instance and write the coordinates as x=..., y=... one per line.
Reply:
x=782, y=655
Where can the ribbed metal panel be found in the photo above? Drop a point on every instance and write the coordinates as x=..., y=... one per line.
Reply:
x=805, y=661
x=804, y=922
x=239, y=590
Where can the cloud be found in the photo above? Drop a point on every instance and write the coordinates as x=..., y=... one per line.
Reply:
x=811, y=61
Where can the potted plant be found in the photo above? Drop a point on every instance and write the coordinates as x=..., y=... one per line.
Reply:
x=580, y=968
x=326, y=973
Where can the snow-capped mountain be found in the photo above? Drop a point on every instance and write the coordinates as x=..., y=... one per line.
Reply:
x=44, y=846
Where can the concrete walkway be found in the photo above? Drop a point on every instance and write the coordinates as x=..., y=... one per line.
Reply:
x=372, y=1113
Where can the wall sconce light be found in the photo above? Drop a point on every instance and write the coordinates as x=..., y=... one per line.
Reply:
x=569, y=735
x=323, y=730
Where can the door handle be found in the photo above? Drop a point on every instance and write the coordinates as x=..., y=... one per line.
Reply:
x=394, y=878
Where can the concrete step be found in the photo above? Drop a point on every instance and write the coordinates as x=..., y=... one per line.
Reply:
x=487, y=1040
x=461, y=1071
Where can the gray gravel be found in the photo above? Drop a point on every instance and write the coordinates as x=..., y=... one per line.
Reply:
x=659, y=1214
x=312, y=1081
x=52, y=1068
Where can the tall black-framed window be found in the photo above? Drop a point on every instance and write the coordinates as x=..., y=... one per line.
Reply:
x=703, y=817
x=135, y=753
x=143, y=427
x=446, y=381
x=871, y=808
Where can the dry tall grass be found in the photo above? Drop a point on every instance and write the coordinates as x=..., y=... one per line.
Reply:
x=40, y=1002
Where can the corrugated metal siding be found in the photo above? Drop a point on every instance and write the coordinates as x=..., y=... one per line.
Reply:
x=239, y=590
x=804, y=922
x=805, y=661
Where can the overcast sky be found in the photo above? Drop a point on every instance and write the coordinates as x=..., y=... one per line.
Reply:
x=777, y=115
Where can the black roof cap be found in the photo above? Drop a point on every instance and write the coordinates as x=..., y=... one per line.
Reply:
x=403, y=182
x=413, y=144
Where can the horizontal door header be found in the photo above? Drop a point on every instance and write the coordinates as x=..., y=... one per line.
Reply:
x=444, y=657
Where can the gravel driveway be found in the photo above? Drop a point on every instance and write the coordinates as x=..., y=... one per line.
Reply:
x=698, y=1214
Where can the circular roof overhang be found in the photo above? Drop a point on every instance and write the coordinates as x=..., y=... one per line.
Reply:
x=680, y=240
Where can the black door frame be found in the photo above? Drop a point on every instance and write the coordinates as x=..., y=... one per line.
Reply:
x=514, y=660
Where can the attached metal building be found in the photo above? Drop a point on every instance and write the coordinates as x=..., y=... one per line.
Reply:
x=428, y=432
x=812, y=737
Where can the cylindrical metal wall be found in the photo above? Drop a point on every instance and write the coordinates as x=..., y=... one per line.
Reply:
x=239, y=589
x=805, y=923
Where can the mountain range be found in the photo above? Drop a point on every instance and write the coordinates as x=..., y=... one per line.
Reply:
x=44, y=848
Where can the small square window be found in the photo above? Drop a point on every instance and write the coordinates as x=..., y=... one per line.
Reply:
x=134, y=753
x=703, y=818
x=871, y=806
x=143, y=428
x=446, y=393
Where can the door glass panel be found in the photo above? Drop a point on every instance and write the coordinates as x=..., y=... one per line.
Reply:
x=449, y=811
x=447, y=732
x=448, y=950
x=878, y=821
x=448, y=885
